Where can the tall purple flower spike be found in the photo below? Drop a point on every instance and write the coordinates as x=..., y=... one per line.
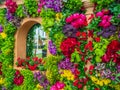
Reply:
x=52, y=48
x=1, y=28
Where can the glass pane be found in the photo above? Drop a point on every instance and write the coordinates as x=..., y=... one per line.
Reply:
x=36, y=42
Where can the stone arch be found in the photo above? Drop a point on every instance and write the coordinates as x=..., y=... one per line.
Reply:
x=21, y=36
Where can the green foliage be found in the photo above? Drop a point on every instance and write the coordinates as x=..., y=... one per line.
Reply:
x=31, y=6
x=2, y=16
x=20, y=12
x=28, y=83
x=48, y=20
x=102, y=3
x=9, y=76
x=94, y=25
x=73, y=5
x=52, y=73
x=115, y=9
x=100, y=49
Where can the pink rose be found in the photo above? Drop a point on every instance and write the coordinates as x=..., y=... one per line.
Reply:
x=60, y=85
x=102, y=23
x=105, y=17
x=99, y=14
x=80, y=22
x=76, y=16
x=54, y=87
x=69, y=19
x=82, y=16
x=107, y=24
x=75, y=24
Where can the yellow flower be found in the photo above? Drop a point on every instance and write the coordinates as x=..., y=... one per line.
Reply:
x=106, y=81
x=1, y=81
x=94, y=79
x=3, y=35
x=67, y=74
x=58, y=16
x=39, y=86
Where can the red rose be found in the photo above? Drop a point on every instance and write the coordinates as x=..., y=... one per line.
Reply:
x=91, y=67
x=79, y=86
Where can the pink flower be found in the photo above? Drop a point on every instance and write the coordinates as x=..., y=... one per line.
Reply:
x=105, y=17
x=75, y=24
x=57, y=86
x=38, y=10
x=99, y=14
x=82, y=16
x=80, y=22
x=102, y=23
x=60, y=85
x=54, y=87
x=69, y=19
x=76, y=16
x=107, y=24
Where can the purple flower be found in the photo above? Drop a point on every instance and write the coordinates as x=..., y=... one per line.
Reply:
x=52, y=48
x=56, y=5
x=38, y=76
x=69, y=31
x=1, y=28
x=107, y=32
x=66, y=64
x=9, y=16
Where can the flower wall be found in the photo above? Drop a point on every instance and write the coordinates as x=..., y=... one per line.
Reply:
x=84, y=56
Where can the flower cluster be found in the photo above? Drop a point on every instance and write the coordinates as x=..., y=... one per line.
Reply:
x=111, y=52
x=100, y=82
x=69, y=31
x=52, y=48
x=58, y=86
x=40, y=5
x=42, y=80
x=12, y=6
x=18, y=78
x=67, y=74
x=55, y=5
x=31, y=63
x=68, y=46
x=105, y=18
x=66, y=64
x=77, y=20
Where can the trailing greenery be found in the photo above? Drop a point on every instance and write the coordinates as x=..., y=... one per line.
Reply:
x=20, y=12
x=31, y=6
x=102, y=3
x=52, y=68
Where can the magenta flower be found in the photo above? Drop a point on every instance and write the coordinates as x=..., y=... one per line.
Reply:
x=99, y=14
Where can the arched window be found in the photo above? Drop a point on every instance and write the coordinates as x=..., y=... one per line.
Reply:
x=36, y=45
